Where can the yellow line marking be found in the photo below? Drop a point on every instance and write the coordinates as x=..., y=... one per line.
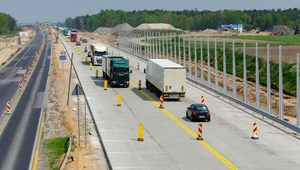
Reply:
x=36, y=155
x=205, y=144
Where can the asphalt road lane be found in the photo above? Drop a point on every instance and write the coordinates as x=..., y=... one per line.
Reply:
x=17, y=139
x=12, y=73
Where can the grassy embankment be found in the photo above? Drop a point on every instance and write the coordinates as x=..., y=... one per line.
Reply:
x=54, y=148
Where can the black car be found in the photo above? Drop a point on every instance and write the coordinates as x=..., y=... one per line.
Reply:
x=78, y=43
x=89, y=54
x=198, y=112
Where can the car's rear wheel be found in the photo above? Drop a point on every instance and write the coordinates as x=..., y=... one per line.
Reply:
x=186, y=115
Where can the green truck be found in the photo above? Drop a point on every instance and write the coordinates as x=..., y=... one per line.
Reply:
x=65, y=32
x=116, y=70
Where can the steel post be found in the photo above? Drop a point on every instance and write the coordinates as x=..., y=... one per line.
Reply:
x=233, y=70
x=298, y=91
x=245, y=75
x=159, y=45
x=224, y=69
x=268, y=81
x=171, y=46
x=190, y=63
x=167, y=43
x=208, y=63
x=184, y=55
x=201, y=60
x=257, y=78
x=195, y=59
x=216, y=67
x=163, y=45
x=281, y=112
x=175, y=48
x=156, y=46
x=179, y=52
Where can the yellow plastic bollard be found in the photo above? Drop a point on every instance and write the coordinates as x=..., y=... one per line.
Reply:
x=140, y=132
x=96, y=73
x=91, y=66
x=86, y=60
x=105, y=84
x=82, y=56
x=119, y=100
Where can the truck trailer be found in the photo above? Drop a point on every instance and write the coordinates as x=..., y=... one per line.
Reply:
x=166, y=78
x=97, y=51
x=115, y=69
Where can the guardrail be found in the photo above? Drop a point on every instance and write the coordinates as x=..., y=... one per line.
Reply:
x=62, y=166
x=252, y=108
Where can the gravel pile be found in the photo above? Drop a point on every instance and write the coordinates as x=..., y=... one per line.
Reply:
x=121, y=28
x=157, y=27
x=103, y=30
x=278, y=29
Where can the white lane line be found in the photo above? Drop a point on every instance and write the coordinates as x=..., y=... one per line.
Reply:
x=22, y=56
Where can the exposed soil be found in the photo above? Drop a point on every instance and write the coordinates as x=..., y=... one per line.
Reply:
x=9, y=45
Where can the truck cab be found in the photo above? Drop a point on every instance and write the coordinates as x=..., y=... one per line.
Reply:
x=116, y=70
x=97, y=51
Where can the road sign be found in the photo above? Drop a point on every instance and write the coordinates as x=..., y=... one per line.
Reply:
x=62, y=57
x=77, y=90
x=63, y=53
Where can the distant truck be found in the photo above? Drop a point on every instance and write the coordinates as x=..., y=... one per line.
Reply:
x=97, y=51
x=166, y=78
x=116, y=70
x=73, y=30
x=73, y=37
x=65, y=32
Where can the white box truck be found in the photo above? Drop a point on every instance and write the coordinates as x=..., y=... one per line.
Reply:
x=166, y=78
x=97, y=51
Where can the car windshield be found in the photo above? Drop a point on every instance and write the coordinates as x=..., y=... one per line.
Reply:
x=201, y=108
x=100, y=53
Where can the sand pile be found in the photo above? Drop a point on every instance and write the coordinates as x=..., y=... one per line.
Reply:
x=103, y=30
x=121, y=28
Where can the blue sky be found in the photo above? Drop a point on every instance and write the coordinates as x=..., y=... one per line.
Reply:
x=59, y=10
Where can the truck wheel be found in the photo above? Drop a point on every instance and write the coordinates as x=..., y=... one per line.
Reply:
x=147, y=85
x=158, y=94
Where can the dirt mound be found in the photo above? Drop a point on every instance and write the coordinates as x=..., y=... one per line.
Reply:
x=156, y=26
x=210, y=31
x=103, y=30
x=121, y=28
x=279, y=29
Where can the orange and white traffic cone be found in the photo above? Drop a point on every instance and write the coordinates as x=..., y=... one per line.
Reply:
x=25, y=78
x=140, y=84
x=254, y=131
x=200, y=132
x=8, y=107
x=161, y=105
x=202, y=99
x=29, y=69
x=20, y=86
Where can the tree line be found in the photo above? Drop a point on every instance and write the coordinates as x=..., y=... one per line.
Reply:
x=189, y=19
x=7, y=24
